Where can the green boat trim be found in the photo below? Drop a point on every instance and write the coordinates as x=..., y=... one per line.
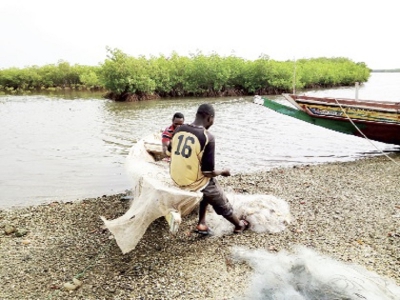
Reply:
x=344, y=127
x=380, y=129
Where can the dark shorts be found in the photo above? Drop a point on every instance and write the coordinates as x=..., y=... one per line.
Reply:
x=214, y=195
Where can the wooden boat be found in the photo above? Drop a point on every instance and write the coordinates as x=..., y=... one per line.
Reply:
x=375, y=120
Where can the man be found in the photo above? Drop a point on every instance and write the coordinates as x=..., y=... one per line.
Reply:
x=177, y=120
x=192, y=167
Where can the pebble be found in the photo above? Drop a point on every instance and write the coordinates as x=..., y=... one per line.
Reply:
x=70, y=286
x=8, y=229
x=21, y=232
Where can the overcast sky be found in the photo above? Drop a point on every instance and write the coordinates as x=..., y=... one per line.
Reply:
x=39, y=32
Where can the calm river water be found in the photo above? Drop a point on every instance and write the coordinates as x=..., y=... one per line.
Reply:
x=68, y=147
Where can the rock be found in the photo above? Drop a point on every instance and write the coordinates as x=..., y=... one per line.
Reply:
x=70, y=286
x=126, y=198
x=21, y=232
x=8, y=229
x=77, y=282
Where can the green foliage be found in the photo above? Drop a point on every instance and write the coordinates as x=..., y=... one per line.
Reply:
x=330, y=72
x=89, y=76
x=178, y=67
x=199, y=75
x=196, y=75
x=58, y=76
x=121, y=73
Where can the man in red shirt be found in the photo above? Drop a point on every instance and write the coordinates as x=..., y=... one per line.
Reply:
x=177, y=120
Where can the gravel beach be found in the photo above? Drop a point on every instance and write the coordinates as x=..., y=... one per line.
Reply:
x=349, y=211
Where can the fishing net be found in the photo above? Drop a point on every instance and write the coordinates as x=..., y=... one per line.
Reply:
x=155, y=195
x=265, y=213
x=304, y=274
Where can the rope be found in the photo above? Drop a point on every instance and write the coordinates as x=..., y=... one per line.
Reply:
x=81, y=274
x=358, y=129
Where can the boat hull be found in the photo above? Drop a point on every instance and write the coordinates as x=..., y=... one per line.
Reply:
x=342, y=108
x=378, y=123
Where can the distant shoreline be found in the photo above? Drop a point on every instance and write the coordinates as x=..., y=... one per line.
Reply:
x=386, y=71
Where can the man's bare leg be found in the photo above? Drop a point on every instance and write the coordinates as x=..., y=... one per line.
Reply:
x=240, y=225
x=201, y=225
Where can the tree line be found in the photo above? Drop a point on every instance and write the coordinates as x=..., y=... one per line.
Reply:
x=128, y=78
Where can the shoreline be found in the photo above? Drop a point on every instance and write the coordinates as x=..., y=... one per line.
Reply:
x=349, y=211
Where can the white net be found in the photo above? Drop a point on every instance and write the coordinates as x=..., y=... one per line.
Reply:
x=304, y=274
x=156, y=195
x=265, y=213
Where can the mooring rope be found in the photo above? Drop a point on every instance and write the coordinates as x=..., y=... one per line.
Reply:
x=358, y=129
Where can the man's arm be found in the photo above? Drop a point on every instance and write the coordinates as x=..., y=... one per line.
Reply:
x=216, y=173
x=165, y=146
x=166, y=140
x=208, y=161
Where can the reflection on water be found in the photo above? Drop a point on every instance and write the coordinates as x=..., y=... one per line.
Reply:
x=60, y=148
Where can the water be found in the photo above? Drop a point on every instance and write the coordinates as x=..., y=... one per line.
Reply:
x=68, y=147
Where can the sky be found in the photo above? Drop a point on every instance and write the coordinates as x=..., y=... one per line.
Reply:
x=40, y=32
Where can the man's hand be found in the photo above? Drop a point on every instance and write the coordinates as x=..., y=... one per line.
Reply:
x=226, y=173
x=215, y=173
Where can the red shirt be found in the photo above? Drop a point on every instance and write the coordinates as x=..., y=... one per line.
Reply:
x=167, y=134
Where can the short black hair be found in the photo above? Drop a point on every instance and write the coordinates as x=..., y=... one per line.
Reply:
x=178, y=115
x=205, y=109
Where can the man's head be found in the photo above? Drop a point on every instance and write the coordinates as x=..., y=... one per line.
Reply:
x=178, y=119
x=205, y=114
